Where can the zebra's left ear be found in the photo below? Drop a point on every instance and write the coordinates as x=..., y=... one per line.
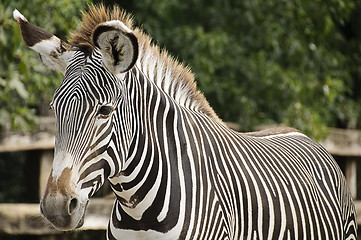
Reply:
x=117, y=44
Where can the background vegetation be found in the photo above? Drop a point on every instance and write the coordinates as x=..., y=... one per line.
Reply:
x=264, y=62
x=291, y=62
x=26, y=86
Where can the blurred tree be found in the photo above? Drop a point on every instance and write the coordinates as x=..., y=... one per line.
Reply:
x=26, y=87
x=262, y=62
x=258, y=62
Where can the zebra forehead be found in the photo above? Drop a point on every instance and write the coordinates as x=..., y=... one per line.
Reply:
x=87, y=82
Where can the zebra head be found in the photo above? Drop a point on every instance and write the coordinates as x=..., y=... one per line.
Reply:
x=85, y=105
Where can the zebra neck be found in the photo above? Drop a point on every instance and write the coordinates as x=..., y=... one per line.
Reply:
x=173, y=77
x=148, y=189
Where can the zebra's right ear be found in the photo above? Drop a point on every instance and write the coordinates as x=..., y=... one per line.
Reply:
x=117, y=44
x=54, y=52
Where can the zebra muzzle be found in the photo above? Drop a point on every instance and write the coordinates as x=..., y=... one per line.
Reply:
x=63, y=212
x=81, y=222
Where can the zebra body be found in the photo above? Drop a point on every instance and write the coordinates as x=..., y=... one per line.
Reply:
x=128, y=113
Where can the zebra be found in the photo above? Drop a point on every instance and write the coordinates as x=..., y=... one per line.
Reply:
x=129, y=113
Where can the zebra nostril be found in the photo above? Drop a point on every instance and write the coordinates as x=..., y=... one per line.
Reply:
x=72, y=205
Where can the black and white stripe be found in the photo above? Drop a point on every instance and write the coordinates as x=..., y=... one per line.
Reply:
x=128, y=112
x=179, y=174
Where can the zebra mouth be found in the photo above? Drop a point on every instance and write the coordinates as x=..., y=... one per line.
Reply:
x=81, y=222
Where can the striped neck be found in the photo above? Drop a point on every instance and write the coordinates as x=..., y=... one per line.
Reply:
x=148, y=189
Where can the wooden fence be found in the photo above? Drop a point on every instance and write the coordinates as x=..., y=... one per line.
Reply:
x=22, y=218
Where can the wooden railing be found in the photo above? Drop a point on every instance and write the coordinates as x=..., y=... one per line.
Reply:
x=20, y=218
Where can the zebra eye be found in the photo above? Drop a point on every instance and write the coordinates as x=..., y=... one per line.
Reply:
x=105, y=110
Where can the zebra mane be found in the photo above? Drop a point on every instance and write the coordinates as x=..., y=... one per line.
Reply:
x=167, y=73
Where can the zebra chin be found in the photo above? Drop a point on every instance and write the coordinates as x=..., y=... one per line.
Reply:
x=64, y=212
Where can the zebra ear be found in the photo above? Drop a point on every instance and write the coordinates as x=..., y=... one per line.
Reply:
x=117, y=44
x=54, y=53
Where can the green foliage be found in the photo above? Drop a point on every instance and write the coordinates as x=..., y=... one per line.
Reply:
x=265, y=62
x=25, y=85
x=292, y=62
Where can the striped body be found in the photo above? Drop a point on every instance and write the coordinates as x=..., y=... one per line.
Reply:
x=135, y=118
x=187, y=176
